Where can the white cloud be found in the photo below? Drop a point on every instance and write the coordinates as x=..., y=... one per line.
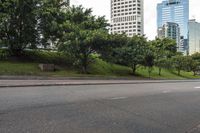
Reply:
x=102, y=7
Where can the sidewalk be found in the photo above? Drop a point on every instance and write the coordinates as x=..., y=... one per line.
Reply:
x=69, y=78
x=34, y=83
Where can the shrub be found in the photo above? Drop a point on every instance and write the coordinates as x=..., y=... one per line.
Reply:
x=4, y=54
x=57, y=58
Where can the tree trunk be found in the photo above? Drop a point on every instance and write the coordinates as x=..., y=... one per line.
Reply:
x=179, y=72
x=194, y=73
x=84, y=68
x=160, y=69
x=149, y=71
x=15, y=52
x=134, y=69
x=85, y=64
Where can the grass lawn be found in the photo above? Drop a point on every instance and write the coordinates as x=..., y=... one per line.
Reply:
x=25, y=68
x=98, y=68
x=166, y=74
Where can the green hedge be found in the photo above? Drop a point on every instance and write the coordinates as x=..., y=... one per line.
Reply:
x=38, y=56
x=47, y=57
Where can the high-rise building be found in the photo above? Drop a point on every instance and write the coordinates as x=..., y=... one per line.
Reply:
x=65, y=7
x=68, y=2
x=127, y=17
x=170, y=30
x=176, y=11
x=194, y=37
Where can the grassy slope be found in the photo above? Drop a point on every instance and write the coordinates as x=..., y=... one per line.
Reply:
x=166, y=74
x=98, y=68
x=24, y=68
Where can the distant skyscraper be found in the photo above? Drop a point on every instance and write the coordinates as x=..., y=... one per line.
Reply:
x=170, y=30
x=194, y=37
x=176, y=11
x=68, y=2
x=127, y=17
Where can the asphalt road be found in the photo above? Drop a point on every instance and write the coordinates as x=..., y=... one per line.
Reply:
x=137, y=108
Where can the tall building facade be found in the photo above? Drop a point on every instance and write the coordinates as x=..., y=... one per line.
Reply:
x=68, y=2
x=194, y=37
x=176, y=11
x=65, y=7
x=127, y=16
x=170, y=30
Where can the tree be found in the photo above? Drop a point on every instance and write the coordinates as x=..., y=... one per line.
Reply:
x=179, y=63
x=52, y=19
x=132, y=54
x=161, y=63
x=159, y=52
x=194, y=67
x=81, y=36
x=163, y=50
x=110, y=47
x=81, y=46
x=196, y=57
x=192, y=64
x=170, y=47
x=18, y=22
x=149, y=61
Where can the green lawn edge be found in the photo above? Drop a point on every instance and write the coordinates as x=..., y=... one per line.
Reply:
x=98, y=68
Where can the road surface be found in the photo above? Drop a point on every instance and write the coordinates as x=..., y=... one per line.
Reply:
x=136, y=108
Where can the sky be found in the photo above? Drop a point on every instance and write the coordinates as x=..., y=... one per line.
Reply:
x=102, y=7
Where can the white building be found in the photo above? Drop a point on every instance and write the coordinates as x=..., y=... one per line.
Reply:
x=127, y=16
x=194, y=37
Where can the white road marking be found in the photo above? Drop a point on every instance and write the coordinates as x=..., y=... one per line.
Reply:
x=118, y=98
x=198, y=87
x=166, y=91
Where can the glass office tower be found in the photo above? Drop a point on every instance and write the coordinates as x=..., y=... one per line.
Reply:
x=170, y=30
x=68, y=2
x=176, y=11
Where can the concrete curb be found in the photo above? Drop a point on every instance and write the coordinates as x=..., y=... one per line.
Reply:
x=69, y=78
x=101, y=83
